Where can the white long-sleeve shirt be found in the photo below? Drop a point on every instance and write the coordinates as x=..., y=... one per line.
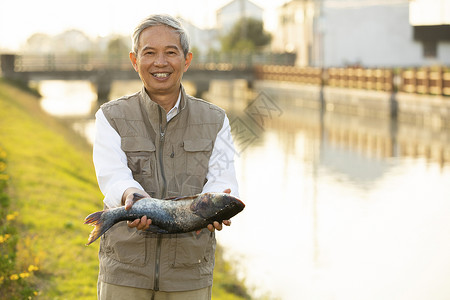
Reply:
x=114, y=176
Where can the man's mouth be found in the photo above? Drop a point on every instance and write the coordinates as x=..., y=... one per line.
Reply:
x=161, y=75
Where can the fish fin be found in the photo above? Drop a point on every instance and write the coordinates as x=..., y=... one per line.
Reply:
x=95, y=219
x=137, y=197
x=201, y=207
x=156, y=229
x=181, y=198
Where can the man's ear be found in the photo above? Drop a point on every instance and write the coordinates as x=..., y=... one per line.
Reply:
x=187, y=61
x=133, y=60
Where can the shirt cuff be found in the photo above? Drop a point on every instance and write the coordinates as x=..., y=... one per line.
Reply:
x=113, y=197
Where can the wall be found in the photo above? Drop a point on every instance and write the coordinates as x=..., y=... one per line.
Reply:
x=370, y=35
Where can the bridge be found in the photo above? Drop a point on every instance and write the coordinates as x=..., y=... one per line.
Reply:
x=102, y=71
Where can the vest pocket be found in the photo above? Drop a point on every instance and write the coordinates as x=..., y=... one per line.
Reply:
x=189, y=250
x=198, y=152
x=140, y=154
x=141, y=159
x=124, y=244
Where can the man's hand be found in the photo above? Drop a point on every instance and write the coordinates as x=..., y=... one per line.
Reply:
x=140, y=224
x=216, y=225
x=128, y=199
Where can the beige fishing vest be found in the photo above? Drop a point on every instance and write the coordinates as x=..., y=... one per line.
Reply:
x=168, y=159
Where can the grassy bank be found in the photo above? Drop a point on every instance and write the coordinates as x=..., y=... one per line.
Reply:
x=49, y=186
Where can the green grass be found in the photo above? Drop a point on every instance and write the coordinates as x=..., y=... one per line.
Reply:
x=49, y=186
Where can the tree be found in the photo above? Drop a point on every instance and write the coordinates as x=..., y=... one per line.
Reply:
x=246, y=35
x=117, y=47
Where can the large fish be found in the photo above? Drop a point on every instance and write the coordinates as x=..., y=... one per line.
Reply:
x=177, y=215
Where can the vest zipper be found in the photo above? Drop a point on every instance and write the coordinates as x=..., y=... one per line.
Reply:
x=161, y=165
x=162, y=133
x=157, y=262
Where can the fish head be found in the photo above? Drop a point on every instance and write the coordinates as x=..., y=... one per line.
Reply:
x=217, y=206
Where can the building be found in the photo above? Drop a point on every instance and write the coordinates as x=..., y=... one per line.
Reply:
x=370, y=33
x=232, y=12
x=295, y=32
x=202, y=40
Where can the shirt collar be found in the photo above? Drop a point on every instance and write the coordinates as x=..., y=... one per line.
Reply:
x=174, y=111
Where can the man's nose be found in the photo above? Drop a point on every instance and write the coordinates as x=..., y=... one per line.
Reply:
x=160, y=60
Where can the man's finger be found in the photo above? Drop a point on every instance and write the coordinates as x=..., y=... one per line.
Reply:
x=134, y=223
x=142, y=223
x=217, y=225
x=226, y=222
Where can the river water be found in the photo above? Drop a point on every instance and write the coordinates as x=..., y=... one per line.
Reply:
x=337, y=206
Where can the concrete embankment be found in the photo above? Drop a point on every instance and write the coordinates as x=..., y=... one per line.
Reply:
x=427, y=110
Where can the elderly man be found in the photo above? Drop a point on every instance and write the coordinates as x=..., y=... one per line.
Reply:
x=160, y=142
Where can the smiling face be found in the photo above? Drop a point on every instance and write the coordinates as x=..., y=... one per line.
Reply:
x=160, y=62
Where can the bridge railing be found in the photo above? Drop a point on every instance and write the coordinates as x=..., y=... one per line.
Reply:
x=52, y=62
x=80, y=62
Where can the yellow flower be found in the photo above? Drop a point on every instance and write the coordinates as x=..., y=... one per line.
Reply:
x=14, y=277
x=1, y=279
x=2, y=153
x=4, y=177
x=24, y=275
x=4, y=238
x=12, y=216
x=35, y=293
x=2, y=166
x=32, y=268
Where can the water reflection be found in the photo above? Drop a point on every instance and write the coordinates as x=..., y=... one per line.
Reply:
x=338, y=206
x=72, y=98
x=342, y=207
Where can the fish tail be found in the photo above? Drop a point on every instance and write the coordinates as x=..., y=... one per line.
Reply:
x=100, y=228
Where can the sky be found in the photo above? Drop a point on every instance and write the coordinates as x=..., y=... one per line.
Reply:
x=19, y=19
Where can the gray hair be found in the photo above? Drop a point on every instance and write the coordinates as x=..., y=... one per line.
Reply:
x=157, y=20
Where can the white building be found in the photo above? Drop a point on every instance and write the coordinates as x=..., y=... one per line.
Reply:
x=202, y=40
x=232, y=12
x=295, y=32
x=371, y=33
